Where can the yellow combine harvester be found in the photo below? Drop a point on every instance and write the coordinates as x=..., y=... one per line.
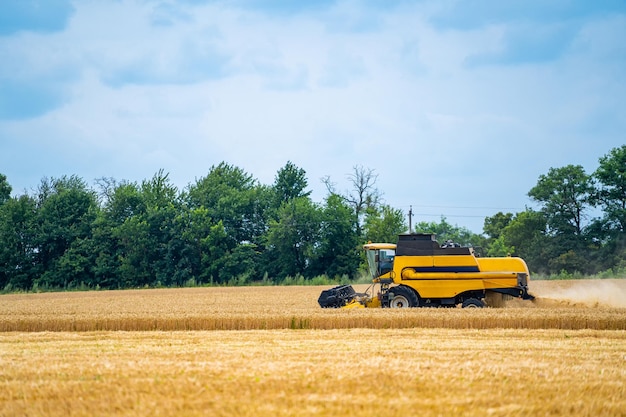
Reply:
x=418, y=272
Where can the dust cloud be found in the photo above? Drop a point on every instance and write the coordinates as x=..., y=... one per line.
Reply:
x=584, y=293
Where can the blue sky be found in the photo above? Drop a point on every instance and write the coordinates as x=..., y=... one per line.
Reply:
x=457, y=106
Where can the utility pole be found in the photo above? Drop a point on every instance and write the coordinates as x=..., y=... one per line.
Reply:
x=410, y=216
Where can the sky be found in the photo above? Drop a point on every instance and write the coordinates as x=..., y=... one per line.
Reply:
x=457, y=106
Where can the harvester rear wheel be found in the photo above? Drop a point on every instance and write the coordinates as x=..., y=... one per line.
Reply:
x=473, y=303
x=403, y=297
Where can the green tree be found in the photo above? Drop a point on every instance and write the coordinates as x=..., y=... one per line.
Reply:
x=204, y=247
x=362, y=196
x=292, y=238
x=239, y=265
x=5, y=189
x=446, y=231
x=18, y=251
x=121, y=202
x=498, y=247
x=384, y=224
x=493, y=228
x=137, y=238
x=105, y=256
x=66, y=209
x=234, y=199
x=290, y=183
x=611, y=193
x=231, y=197
x=495, y=224
x=159, y=192
x=525, y=236
x=135, y=253
x=565, y=195
x=126, y=201
x=337, y=253
x=162, y=207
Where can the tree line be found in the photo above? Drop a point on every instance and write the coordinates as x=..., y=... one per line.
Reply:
x=228, y=228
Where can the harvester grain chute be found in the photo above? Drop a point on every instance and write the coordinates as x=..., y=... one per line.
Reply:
x=418, y=272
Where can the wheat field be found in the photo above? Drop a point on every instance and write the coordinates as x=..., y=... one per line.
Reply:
x=365, y=372
x=263, y=308
x=271, y=351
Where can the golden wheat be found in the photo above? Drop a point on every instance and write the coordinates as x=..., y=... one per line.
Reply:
x=365, y=372
x=59, y=357
x=249, y=308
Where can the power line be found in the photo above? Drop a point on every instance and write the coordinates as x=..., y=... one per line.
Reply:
x=448, y=215
x=467, y=207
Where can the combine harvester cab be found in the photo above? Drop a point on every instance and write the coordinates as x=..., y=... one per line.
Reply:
x=418, y=272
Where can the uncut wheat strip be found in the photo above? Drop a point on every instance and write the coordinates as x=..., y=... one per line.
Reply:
x=567, y=319
x=477, y=319
x=200, y=301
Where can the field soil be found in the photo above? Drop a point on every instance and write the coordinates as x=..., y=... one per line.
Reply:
x=271, y=351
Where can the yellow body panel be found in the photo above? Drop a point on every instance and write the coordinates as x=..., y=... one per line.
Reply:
x=488, y=273
x=416, y=261
x=444, y=288
x=440, y=286
x=354, y=304
x=372, y=302
x=458, y=260
x=502, y=264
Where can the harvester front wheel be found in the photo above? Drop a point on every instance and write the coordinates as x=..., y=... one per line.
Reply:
x=473, y=303
x=403, y=297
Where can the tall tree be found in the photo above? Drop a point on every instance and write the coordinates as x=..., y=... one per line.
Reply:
x=384, y=224
x=446, y=231
x=159, y=192
x=363, y=194
x=610, y=177
x=337, y=253
x=230, y=195
x=18, y=251
x=292, y=238
x=611, y=195
x=525, y=236
x=161, y=198
x=494, y=225
x=5, y=189
x=122, y=203
x=67, y=208
x=136, y=252
x=125, y=201
x=565, y=196
x=290, y=182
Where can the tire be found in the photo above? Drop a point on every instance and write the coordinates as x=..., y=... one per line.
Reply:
x=403, y=297
x=473, y=303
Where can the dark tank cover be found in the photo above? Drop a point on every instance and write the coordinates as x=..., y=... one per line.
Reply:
x=425, y=244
